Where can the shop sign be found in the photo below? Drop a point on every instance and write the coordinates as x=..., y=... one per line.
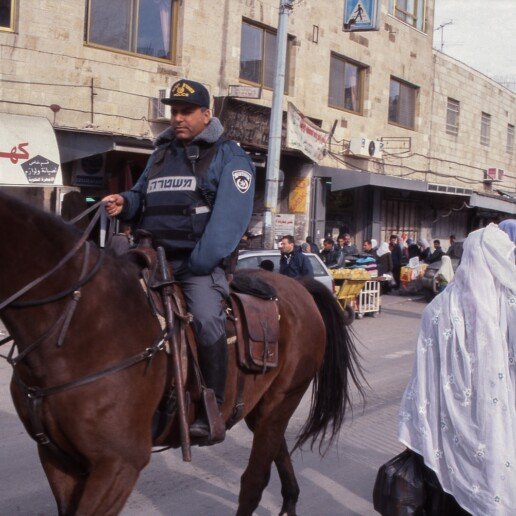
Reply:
x=245, y=123
x=29, y=155
x=242, y=91
x=304, y=135
x=298, y=194
x=284, y=224
x=89, y=171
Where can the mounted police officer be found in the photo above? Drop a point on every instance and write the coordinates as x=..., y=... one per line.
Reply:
x=196, y=197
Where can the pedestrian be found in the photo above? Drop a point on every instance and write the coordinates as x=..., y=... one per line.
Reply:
x=445, y=273
x=424, y=247
x=329, y=255
x=293, y=263
x=459, y=408
x=384, y=259
x=195, y=197
x=397, y=258
x=267, y=265
x=367, y=248
x=437, y=254
x=313, y=246
x=509, y=226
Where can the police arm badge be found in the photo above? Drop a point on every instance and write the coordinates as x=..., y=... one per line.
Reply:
x=242, y=180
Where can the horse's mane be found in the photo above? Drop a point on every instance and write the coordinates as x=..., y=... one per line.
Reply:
x=52, y=225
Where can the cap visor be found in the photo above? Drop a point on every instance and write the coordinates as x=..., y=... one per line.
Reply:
x=170, y=102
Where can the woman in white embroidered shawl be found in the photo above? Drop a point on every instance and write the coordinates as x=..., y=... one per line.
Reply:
x=459, y=407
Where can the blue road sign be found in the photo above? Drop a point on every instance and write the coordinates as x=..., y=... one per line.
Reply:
x=361, y=15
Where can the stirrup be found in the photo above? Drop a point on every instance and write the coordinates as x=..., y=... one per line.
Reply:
x=200, y=428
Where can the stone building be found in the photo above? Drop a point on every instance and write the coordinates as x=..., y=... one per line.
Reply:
x=95, y=72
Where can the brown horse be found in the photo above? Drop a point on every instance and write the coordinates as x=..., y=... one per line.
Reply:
x=100, y=431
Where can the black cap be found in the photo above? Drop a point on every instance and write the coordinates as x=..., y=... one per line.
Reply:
x=190, y=92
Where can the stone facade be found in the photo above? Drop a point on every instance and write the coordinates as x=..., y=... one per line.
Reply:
x=462, y=155
x=45, y=61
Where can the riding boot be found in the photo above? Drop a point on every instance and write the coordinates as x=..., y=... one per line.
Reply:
x=213, y=361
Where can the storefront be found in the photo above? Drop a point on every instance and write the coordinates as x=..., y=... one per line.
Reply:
x=370, y=205
x=95, y=164
x=30, y=166
x=248, y=124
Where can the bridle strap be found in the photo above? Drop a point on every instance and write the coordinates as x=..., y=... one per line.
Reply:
x=63, y=260
x=82, y=281
x=148, y=354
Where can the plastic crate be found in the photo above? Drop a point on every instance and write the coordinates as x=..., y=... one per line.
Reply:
x=369, y=299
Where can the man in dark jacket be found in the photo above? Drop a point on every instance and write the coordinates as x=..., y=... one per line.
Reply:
x=195, y=197
x=329, y=255
x=437, y=254
x=293, y=262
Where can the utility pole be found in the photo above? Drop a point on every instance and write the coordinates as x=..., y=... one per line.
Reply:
x=441, y=28
x=274, y=147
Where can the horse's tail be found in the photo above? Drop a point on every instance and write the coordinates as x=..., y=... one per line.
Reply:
x=331, y=385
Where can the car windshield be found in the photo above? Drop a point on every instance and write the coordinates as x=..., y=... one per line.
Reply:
x=253, y=262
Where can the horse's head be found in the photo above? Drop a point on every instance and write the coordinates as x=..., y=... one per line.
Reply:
x=32, y=243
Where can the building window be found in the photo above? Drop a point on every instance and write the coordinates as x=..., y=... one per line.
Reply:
x=258, y=56
x=485, y=129
x=409, y=11
x=452, y=117
x=6, y=14
x=346, y=84
x=137, y=26
x=402, y=103
x=510, y=139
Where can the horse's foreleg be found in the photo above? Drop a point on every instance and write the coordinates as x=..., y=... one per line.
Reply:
x=268, y=421
x=66, y=484
x=107, y=487
x=289, y=485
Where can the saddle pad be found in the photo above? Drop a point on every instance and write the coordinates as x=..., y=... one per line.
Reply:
x=257, y=327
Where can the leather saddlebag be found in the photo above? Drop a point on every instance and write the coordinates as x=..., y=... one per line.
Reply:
x=257, y=329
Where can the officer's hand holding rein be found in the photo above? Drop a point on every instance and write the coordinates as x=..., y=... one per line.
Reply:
x=114, y=204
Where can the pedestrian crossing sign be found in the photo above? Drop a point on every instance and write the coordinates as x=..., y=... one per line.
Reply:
x=360, y=15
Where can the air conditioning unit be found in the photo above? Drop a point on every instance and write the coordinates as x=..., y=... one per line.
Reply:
x=365, y=148
x=493, y=175
x=158, y=110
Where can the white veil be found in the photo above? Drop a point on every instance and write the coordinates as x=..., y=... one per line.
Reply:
x=459, y=408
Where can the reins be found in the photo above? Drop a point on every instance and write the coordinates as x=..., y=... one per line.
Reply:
x=61, y=262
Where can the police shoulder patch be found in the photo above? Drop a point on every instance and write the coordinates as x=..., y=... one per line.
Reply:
x=242, y=180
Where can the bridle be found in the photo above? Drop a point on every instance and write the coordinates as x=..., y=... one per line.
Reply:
x=35, y=394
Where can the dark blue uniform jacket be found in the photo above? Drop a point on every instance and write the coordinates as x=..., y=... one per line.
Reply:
x=209, y=213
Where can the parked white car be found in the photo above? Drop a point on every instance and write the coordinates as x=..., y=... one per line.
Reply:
x=251, y=259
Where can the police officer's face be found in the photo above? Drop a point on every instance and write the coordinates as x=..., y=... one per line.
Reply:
x=189, y=120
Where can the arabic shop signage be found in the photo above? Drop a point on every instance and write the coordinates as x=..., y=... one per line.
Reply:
x=29, y=155
x=246, y=123
x=304, y=135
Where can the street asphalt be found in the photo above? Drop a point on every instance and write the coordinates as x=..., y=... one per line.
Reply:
x=341, y=483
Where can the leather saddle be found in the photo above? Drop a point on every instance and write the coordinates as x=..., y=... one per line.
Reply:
x=252, y=327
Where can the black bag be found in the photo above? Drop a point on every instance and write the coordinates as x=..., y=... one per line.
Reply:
x=399, y=487
x=405, y=486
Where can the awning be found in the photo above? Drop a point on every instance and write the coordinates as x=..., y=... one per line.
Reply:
x=29, y=155
x=343, y=179
x=75, y=145
x=493, y=203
